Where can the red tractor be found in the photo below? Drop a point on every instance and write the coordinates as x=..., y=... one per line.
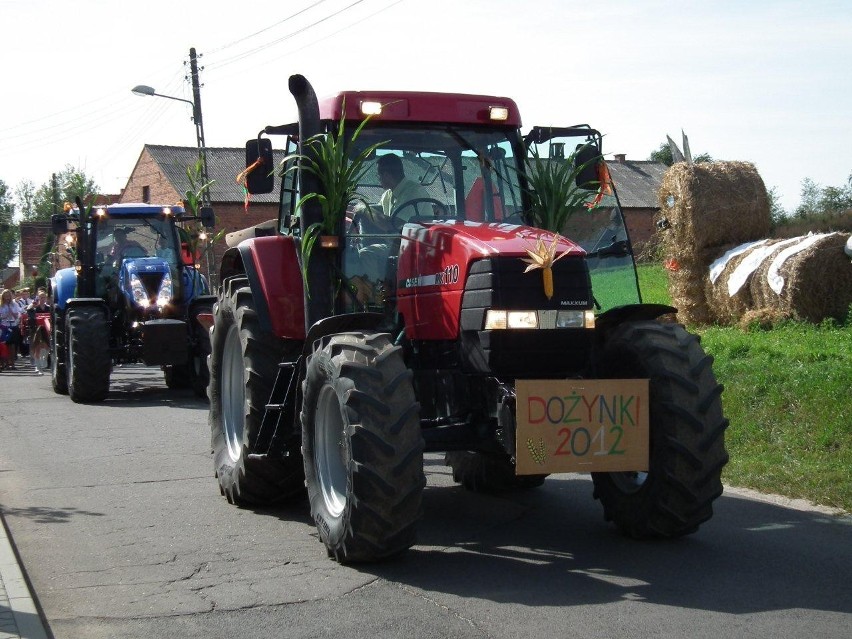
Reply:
x=433, y=316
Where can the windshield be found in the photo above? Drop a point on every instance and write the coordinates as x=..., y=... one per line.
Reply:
x=440, y=172
x=125, y=237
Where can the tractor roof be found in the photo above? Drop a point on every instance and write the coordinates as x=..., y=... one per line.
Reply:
x=418, y=106
x=137, y=209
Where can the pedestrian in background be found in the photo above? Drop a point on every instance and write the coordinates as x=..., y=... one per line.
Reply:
x=10, y=326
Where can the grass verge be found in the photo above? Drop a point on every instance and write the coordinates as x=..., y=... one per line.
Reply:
x=787, y=395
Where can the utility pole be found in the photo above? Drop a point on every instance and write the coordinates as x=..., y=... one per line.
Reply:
x=199, y=123
x=54, y=193
x=202, y=149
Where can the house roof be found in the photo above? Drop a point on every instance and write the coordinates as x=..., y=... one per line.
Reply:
x=223, y=165
x=637, y=182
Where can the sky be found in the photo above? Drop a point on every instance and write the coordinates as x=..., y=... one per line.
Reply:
x=762, y=81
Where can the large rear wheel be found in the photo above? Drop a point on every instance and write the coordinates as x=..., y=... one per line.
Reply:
x=362, y=447
x=243, y=366
x=687, y=448
x=88, y=359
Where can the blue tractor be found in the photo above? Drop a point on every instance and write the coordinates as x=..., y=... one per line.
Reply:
x=134, y=295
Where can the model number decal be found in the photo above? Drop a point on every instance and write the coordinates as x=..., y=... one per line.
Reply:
x=450, y=275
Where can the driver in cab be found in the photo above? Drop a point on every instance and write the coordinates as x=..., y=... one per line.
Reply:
x=400, y=190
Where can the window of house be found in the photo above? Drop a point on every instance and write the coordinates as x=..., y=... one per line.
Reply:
x=146, y=194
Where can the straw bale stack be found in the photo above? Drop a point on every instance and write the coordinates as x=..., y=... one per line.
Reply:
x=817, y=282
x=713, y=203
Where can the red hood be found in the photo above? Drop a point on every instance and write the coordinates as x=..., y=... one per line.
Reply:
x=494, y=238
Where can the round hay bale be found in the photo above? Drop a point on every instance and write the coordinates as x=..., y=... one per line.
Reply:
x=727, y=308
x=713, y=203
x=817, y=282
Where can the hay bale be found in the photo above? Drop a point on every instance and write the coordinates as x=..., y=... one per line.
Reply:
x=711, y=204
x=688, y=282
x=817, y=282
x=726, y=309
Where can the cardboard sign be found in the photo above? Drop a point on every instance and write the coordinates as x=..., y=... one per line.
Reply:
x=581, y=425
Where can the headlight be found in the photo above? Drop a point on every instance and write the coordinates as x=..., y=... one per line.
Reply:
x=164, y=295
x=138, y=291
x=544, y=319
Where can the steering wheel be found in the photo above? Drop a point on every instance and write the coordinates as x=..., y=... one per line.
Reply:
x=413, y=202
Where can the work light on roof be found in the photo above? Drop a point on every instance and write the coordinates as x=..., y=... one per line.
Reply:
x=499, y=113
x=369, y=107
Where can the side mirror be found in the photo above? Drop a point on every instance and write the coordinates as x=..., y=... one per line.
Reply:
x=586, y=159
x=262, y=177
x=208, y=218
x=59, y=224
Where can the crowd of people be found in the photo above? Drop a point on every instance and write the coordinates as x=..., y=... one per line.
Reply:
x=14, y=306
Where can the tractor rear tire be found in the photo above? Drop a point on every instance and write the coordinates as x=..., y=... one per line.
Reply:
x=484, y=473
x=58, y=371
x=88, y=359
x=176, y=376
x=686, y=448
x=362, y=447
x=243, y=366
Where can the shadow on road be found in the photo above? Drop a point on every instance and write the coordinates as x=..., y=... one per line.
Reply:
x=551, y=547
x=43, y=515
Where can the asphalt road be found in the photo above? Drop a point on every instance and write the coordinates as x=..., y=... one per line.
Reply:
x=121, y=529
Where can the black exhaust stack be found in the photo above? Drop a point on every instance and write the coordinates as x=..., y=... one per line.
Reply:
x=319, y=302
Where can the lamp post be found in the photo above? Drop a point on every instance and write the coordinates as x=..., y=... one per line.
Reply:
x=144, y=90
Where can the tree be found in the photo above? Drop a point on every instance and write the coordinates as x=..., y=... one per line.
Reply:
x=777, y=214
x=8, y=229
x=25, y=199
x=819, y=201
x=664, y=155
x=50, y=196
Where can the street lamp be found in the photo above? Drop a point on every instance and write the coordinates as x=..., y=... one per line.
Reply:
x=144, y=90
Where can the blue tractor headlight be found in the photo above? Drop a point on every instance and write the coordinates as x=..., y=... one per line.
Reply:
x=164, y=295
x=140, y=297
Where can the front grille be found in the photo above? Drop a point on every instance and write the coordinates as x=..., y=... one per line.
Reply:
x=500, y=283
x=151, y=282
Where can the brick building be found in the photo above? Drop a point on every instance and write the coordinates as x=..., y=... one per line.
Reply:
x=637, y=183
x=159, y=177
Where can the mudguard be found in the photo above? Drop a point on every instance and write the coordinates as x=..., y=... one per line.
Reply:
x=62, y=286
x=271, y=265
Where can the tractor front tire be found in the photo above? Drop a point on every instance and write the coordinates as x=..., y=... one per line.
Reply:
x=686, y=448
x=88, y=359
x=58, y=371
x=486, y=473
x=362, y=447
x=243, y=366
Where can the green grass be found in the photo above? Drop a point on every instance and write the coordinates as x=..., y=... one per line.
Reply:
x=787, y=395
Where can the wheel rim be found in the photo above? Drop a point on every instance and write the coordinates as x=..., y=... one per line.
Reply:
x=629, y=483
x=233, y=393
x=40, y=354
x=330, y=452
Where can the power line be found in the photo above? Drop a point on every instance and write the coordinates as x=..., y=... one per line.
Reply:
x=250, y=52
x=272, y=26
